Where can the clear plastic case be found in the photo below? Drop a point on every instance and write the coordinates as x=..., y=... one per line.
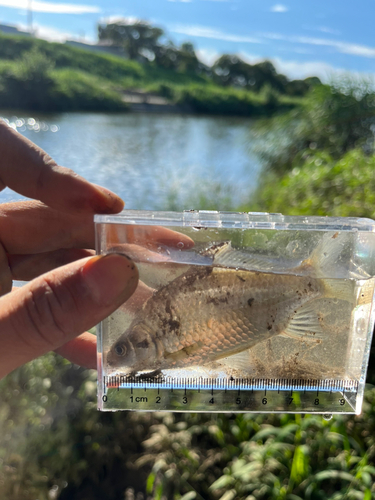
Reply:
x=263, y=312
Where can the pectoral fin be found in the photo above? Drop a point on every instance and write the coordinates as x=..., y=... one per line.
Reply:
x=306, y=324
x=184, y=352
x=241, y=361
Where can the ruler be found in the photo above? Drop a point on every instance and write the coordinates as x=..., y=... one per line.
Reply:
x=326, y=397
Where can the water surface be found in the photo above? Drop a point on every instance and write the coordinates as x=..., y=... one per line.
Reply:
x=153, y=161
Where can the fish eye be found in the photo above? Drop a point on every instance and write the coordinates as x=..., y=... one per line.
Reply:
x=120, y=349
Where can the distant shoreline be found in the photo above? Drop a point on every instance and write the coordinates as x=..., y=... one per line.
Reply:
x=139, y=101
x=49, y=77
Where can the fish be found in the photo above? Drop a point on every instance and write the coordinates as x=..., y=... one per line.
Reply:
x=210, y=313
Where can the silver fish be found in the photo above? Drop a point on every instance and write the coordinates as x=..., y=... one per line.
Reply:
x=211, y=312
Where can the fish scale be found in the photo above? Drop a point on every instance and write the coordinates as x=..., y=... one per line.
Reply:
x=210, y=313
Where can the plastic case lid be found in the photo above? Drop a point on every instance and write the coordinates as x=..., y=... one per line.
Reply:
x=242, y=220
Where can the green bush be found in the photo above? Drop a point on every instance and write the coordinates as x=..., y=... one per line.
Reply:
x=27, y=83
x=230, y=101
x=320, y=185
x=334, y=118
x=33, y=83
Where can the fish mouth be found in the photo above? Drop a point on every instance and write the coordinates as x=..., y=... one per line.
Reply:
x=109, y=359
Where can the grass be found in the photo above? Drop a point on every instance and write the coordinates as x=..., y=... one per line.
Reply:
x=108, y=66
x=77, y=90
x=52, y=436
x=77, y=78
x=34, y=82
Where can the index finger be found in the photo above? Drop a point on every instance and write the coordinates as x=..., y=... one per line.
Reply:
x=32, y=227
x=149, y=236
x=30, y=171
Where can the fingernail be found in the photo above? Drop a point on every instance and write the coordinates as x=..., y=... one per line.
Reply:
x=111, y=279
x=107, y=202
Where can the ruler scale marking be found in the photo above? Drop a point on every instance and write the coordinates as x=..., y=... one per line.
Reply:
x=227, y=395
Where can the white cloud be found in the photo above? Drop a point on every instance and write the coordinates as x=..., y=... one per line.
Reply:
x=48, y=32
x=56, y=8
x=296, y=70
x=327, y=29
x=298, y=50
x=204, y=32
x=120, y=20
x=52, y=34
x=339, y=46
x=251, y=58
x=323, y=29
x=343, y=47
x=55, y=35
x=326, y=72
x=279, y=8
x=208, y=56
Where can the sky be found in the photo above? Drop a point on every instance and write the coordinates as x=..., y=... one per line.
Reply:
x=302, y=38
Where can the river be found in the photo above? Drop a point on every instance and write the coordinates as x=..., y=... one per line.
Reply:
x=153, y=161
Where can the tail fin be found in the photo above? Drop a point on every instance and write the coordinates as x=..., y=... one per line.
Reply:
x=330, y=253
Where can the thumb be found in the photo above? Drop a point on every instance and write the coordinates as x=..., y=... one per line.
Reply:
x=59, y=305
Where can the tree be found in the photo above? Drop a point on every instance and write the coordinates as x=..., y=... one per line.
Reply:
x=333, y=119
x=144, y=42
x=301, y=87
x=139, y=39
x=231, y=70
x=188, y=60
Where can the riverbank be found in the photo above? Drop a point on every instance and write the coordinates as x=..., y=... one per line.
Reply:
x=42, y=76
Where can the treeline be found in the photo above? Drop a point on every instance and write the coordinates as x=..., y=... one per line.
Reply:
x=140, y=41
x=42, y=76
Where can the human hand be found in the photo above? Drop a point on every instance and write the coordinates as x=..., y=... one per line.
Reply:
x=49, y=241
